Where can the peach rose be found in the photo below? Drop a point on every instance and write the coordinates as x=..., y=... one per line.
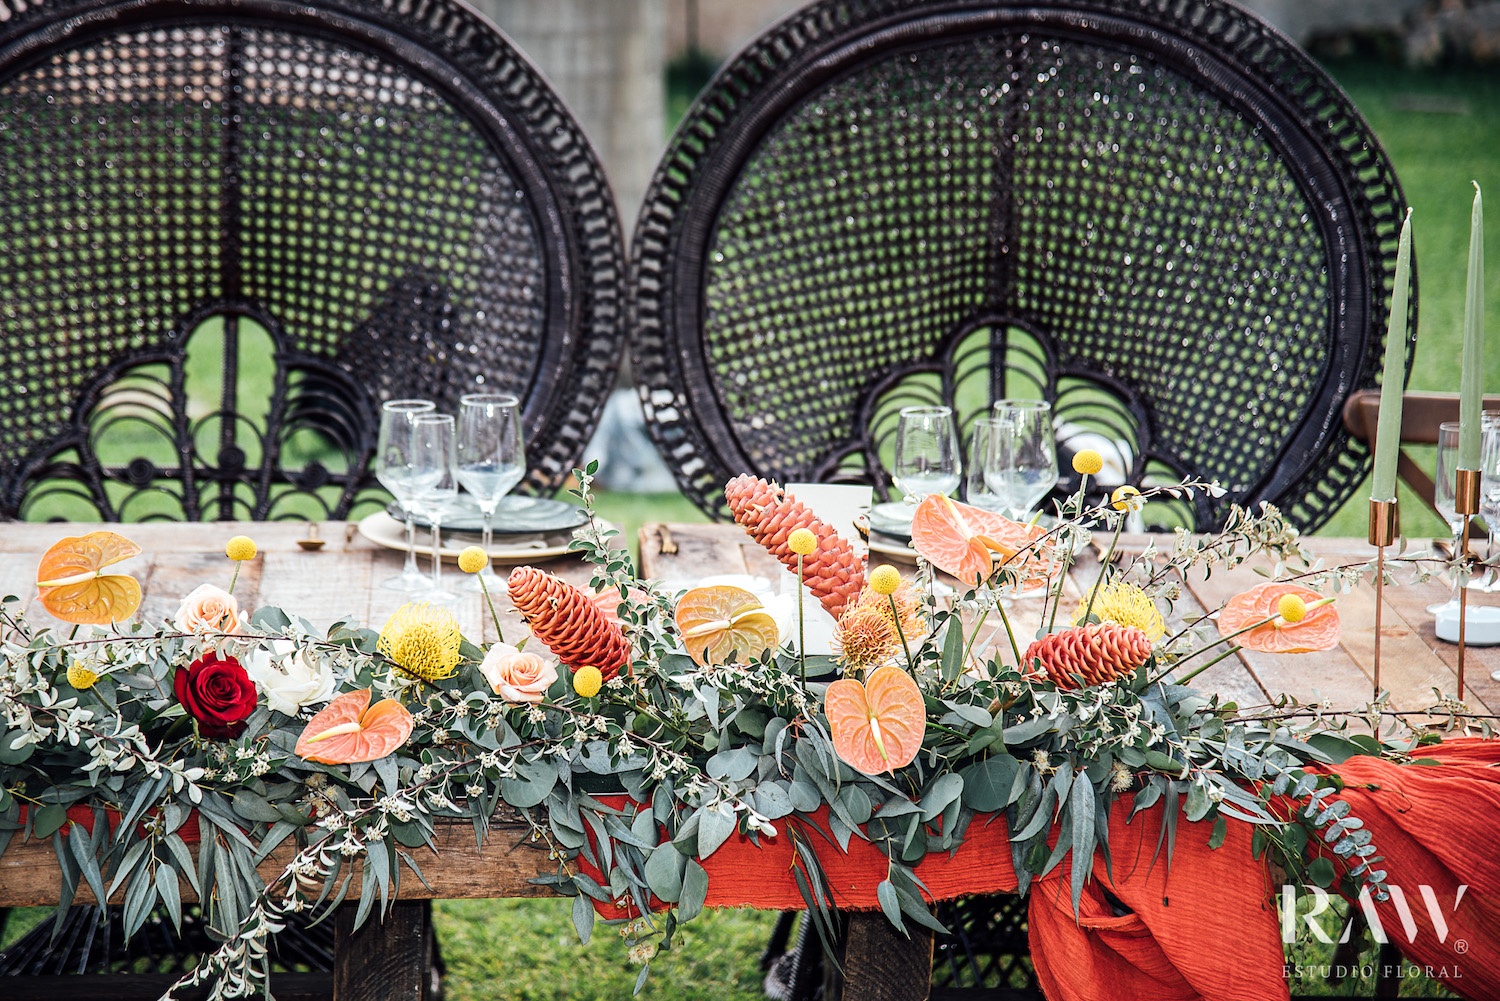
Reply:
x=515, y=676
x=208, y=609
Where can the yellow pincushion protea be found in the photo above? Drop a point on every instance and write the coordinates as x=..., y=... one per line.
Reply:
x=1127, y=605
x=422, y=641
x=81, y=677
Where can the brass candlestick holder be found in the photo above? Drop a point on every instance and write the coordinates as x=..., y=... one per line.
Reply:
x=1466, y=504
x=1385, y=526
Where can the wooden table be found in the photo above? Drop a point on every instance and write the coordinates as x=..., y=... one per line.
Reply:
x=1414, y=662
x=385, y=960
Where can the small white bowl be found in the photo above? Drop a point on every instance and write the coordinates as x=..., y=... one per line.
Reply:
x=1483, y=624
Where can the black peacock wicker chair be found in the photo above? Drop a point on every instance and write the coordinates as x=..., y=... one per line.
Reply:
x=228, y=230
x=232, y=227
x=1161, y=216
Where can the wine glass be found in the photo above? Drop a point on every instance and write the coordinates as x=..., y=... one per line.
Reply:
x=927, y=459
x=432, y=465
x=491, y=458
x=1489, y=494
x=393, y=470
x=1445, y=498
x=984, y=486
x=1027, y=463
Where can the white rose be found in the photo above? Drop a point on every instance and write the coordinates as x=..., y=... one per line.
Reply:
x=290, y=677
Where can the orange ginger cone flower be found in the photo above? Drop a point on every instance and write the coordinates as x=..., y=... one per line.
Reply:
x=833, y=573
x=1097, y=653
x=568, y=621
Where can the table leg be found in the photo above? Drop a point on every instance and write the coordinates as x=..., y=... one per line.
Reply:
x=881, y=964
x=390, y=960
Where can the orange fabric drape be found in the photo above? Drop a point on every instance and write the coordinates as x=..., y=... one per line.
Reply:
x=1205, y=927
x=1156, y=953
x=1437, y=826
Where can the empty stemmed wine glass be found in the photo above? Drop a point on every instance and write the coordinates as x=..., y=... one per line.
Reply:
x=432, y=465
x=491, y=458
x=1445, y=498
x=927, y=459
x=1026, y=468
x=983, y=484
x=394, y=471
x=1489, y=496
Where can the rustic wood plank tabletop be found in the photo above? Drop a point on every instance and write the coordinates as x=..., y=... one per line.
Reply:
x=343, y=580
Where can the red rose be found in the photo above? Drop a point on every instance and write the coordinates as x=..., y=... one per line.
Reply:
x=218, y=693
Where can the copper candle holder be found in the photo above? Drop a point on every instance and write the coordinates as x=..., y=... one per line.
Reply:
x=1465, y=504
x=1385, y=527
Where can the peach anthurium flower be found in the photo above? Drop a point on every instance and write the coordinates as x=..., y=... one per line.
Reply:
x=349, y=729
x=1318, y=629
x=877, y=726
x=516, y=676
x=73, y=586
x=962, y=541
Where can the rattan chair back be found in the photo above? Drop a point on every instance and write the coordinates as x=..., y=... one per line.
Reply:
x=1160, y=216
x=230, y=228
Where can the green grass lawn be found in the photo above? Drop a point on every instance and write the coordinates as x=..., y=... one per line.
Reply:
x=1441, y=129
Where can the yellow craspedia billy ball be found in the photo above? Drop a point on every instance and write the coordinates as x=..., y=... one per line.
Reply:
x=240, y=548
x=1126, y=498
x=1292, y=608
x=81, y=677
x=422, y=641
x=885, y=579
x=472, y=559
x=1088, y=462
x=802, y=542
x=587, y=681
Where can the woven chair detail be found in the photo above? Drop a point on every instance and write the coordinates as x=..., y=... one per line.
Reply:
x=233, y=228
x=1160, y=216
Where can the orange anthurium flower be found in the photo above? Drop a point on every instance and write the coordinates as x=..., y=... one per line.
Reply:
x=877, y=726
x=349, y=729
x=960, y=538
x=1318, y=629
x=73, y=586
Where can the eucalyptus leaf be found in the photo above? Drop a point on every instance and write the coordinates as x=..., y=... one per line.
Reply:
x=694, y=891
x=890, y=905
x=664, y=871
x=987, y=783
x=945, y=789
x=583, y=918
x=715, y=825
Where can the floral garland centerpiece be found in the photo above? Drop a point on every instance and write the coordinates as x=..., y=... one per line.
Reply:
x=698, y=709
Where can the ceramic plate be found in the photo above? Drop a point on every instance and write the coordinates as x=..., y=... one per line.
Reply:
x=893, y=519
x=383, y=530
x=515, y=516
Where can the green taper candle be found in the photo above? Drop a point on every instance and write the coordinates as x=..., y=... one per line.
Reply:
x=1471, y=387
x=1388, y=430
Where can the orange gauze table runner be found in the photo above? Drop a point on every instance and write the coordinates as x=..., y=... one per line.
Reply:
x=1156, y=953
x=1207, y=925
